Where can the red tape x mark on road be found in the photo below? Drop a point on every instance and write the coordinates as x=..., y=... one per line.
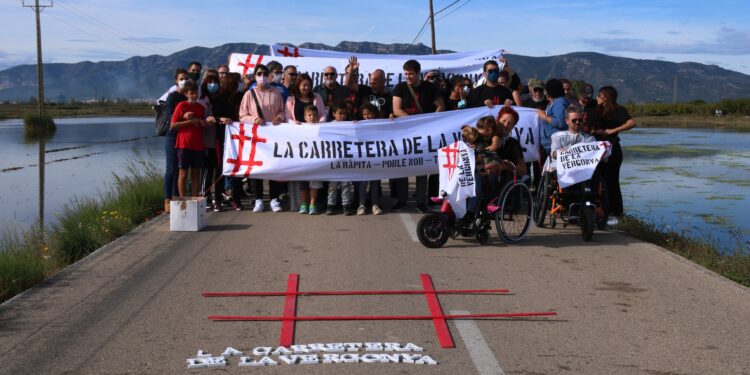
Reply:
x=436, y=313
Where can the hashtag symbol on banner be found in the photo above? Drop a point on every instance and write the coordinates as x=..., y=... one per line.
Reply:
x=285, y=52
x=247, y=64
x=451, y=157
x=242, y=138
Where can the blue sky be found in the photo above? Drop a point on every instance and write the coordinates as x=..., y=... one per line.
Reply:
x=78, y=30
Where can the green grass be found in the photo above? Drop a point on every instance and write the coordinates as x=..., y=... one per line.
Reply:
x=84, y=226
x=38, y=128
x=734, y=266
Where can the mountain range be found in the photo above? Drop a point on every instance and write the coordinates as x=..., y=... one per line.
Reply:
x=143, y=77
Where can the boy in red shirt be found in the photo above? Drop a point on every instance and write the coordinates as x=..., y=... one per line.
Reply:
x=189, y=118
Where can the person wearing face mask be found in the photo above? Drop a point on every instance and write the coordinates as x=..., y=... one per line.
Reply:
x=490, y=93
x=457, y=96
x=260, y=105
x=170, y=170
x=193, y=65
x=275, y=77
x=211, y=166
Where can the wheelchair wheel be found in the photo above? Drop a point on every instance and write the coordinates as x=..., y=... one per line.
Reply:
x=433, y=230
x=587, y=223
x=542, y=200
x=513, y=219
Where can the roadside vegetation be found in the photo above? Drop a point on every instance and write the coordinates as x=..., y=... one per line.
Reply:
x=77, y=109
x=734, y=114
x=734, y=266
x=84, y=226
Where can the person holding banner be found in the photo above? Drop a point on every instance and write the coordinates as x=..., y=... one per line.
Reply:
x=612, y=120
x=410, y=97
x=457, y=96
x=491, y=93
x=302, y=96
x=563, y=139
x=261, y=104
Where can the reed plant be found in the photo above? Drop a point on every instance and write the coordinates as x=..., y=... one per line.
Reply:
x=84, y=225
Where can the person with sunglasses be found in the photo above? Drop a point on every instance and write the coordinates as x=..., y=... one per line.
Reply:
x=290, y=77
x=331, y=91
x=537, y=99
x=562, y=140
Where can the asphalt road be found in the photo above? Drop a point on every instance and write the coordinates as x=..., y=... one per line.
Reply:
x=135, y=306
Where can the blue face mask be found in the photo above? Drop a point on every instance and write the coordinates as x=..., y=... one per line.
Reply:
x=212, y=87
x=493, y=75
x=461, y=104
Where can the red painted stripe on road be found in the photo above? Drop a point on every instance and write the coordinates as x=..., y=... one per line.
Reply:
x=441, y=327
x=290, y=311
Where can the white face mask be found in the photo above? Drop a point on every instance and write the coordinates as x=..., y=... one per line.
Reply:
x=181, y=83
x=467, y=90
x=261, y=80
x=277, y=78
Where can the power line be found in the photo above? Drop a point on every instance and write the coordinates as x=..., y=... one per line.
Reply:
x=419, y=34
x=94, y=35
x=454, y=10
x=121, y=35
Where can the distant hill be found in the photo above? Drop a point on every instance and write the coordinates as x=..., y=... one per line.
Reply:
x=149, y=76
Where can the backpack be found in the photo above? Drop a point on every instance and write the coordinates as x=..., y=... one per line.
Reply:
x=162, y=119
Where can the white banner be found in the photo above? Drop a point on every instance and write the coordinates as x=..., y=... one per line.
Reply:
x=456, y=162
x=348, y=151
x=578, y=162
x=392, y=66
x=279, y=50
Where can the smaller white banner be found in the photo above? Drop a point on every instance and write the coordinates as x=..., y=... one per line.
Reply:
x=279, y=50
x=456, y=163
x=578, y=162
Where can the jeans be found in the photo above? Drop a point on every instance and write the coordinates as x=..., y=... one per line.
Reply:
x=402, y=187
x=374, y=191
x=170, y=172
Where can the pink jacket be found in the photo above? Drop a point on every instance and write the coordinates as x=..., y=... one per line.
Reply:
x=271, y=104
x=317, y=101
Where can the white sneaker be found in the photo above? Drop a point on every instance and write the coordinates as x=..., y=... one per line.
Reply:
x=361, y=210
x=258, y=205
x=376, y=210
x=275, y=205
x=613, y=220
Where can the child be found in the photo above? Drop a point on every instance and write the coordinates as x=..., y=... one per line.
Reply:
x=309, y=189
x=369, y=112
x=189, y=120
x=487, y=147
x=472, y=137
x=340, y=113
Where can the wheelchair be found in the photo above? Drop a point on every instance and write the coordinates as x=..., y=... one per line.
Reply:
x=511, y=211
x=584, y=203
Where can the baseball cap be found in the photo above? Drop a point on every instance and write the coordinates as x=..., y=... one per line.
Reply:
x=534, y=83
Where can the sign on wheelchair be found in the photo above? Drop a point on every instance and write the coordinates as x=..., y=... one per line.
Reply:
x=572, y=190
x=466, y=211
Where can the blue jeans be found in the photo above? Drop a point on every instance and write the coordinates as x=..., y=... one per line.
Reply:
x=170, y=173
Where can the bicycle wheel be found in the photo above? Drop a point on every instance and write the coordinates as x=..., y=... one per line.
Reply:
x=433, y=230
x=542, y=200
x=587, y=222
x=514, y=217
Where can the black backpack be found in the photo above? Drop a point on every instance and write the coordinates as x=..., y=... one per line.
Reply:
x=162, y=120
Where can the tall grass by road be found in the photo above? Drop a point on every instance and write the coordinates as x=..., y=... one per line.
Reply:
x=85, y=225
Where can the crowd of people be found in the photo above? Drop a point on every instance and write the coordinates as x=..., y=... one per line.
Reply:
x=202, y=102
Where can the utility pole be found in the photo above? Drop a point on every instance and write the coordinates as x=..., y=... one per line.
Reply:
x=40, y=103
x=432, y=26
x=674, y=94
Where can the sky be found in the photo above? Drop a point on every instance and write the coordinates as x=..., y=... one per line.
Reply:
x=715, y=32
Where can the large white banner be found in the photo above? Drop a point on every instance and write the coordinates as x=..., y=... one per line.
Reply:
x=393, y=66
x=578, y=162
x=348, y=151
x=279, y=50
x=456, y=163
